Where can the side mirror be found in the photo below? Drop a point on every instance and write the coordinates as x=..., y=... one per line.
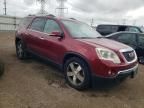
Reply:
x=56, y=34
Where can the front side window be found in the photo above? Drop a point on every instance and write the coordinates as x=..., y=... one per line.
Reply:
x=129, y=39
x=80, y=30
x=38, y=24
x=51, y=26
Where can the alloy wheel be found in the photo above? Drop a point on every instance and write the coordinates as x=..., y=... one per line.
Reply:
x=75, y=73
x=19, y=50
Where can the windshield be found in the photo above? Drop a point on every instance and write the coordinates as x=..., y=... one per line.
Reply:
x=80, y=30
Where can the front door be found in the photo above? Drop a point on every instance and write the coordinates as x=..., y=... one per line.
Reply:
x=52, y=47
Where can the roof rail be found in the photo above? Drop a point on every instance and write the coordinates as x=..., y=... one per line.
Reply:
x=31, y=15
x=51, y=15
x=72, y=18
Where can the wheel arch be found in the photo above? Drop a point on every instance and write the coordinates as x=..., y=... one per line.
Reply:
x=17, y=40
x=69, y=55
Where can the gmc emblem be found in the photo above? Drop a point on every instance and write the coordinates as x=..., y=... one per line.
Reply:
x=131, y=55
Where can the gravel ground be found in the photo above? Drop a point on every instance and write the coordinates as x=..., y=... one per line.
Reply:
x=35, y=84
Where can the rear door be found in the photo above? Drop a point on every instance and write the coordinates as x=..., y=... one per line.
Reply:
x=35, y=35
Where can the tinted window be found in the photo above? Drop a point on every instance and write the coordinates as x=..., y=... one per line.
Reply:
x=107, y=29
x=141, y=40
x=133, y=29
x=38, y=24
x=121, y=28
x=51, y=26
x=129, y=39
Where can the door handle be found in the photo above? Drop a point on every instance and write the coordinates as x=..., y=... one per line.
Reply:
x=42, y=38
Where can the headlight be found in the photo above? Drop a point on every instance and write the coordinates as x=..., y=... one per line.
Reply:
x=107, y=54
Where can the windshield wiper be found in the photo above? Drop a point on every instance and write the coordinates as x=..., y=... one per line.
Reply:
x=84, y=37
x=90, y=37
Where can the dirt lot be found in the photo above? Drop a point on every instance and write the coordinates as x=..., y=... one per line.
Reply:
x=35, y=84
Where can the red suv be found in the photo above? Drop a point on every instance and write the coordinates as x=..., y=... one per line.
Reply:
x=77, y=48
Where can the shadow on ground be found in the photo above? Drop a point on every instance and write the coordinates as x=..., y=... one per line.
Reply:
x=54, y=74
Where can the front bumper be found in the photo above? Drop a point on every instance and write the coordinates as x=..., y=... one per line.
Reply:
x=109, y=70
x=129, y=72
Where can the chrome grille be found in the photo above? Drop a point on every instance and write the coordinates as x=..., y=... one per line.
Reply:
x=129, y=56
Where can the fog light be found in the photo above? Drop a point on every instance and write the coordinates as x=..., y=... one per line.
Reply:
x=109, y=72
x=113, y=74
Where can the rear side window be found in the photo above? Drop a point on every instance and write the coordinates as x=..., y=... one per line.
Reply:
x=51, y=26
x=38, y=24
x=107, y=29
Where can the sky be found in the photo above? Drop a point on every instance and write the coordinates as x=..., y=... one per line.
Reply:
x=101, y=11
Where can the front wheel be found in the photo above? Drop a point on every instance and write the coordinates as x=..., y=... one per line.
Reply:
x=77, y=73
x=141, y=60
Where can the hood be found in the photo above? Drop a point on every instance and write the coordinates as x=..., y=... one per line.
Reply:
x=106, y=43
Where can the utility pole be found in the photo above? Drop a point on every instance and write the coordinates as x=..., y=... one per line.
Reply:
x=124, y=21
x=134, y=22
x=42, y=10
x=42, y=6
x=61, y=7
x=5, y=7
x=92, y=21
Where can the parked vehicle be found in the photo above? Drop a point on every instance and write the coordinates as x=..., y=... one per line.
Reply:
x=135, y=40
x=108, y=29
x=78, y=49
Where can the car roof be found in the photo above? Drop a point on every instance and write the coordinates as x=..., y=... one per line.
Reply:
x=126, y=32
x=52, y=17
x=116, y=25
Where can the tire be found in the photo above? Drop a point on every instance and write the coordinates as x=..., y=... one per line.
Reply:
x=20, y=50
x=122, y=79
x=141, y=60
x=1, y=68
x=77, y=73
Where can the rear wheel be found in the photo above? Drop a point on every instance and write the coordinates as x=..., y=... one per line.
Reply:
x=20, y=50
x=77, y=73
